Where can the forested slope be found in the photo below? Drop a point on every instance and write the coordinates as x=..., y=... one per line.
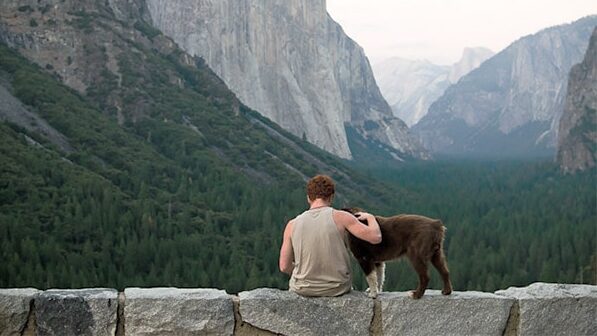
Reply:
x=509, y=223
x=193, y=193
x=154, y=174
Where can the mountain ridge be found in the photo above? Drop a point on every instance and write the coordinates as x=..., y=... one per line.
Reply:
x=521, y=86
x=165, y=165
x=293, y=64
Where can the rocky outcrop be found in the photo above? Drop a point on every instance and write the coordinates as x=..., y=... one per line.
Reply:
x=13, y=111
x=462, y=313
x=539, y=309
x=15, y=309
x=577, y=137
x=178, y=312
x=470, y=60
x=511, y=105
x=291, y=62
x=410, y=87
x=66, y=312
x=555, y=309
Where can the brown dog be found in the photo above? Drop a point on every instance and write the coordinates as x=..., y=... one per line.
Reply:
x=419, y=237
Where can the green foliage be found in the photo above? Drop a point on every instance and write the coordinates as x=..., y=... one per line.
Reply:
x=193, y=189
x=509, y=223
x=148, y=30
x=194, y=193
x=82, y=21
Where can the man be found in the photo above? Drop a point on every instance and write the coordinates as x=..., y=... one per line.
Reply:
x=314, y=248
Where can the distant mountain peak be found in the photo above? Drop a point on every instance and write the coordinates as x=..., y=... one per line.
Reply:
x=471, y=59
x=511, y=105
x=411, y=86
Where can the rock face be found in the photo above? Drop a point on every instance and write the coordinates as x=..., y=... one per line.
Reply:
x=178, y=311
x=470, y=60
x=555, y=309
x=461, y=313
x=284, y=312
x=291, y=62
x=410, y=87
x=577, y=137
x=12, y=110
x=76, y=312
x=15, y=306
x=539, y=309
x=511, y=105
x=49, y=34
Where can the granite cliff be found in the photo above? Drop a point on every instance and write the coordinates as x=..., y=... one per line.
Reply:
x=511, y=105
x=149, y=92
x=292, y=63
x=577, y=137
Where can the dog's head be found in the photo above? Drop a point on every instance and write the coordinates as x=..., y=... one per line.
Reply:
x=353, y=211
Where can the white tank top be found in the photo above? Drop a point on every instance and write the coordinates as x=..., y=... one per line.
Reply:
x=321, y=259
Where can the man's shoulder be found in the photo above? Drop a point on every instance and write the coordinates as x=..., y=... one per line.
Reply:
x=340, y=213
x=341, y=217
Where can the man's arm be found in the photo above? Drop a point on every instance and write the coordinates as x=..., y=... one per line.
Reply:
x=370, y=233
x=286, y=262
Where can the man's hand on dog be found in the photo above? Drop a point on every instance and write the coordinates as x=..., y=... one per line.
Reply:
x=363, y=215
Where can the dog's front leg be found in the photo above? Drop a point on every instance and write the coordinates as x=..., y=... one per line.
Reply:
x=380, y=269
x=370, y=271
x=372, y=282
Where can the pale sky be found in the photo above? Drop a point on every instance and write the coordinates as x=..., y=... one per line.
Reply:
x=438, y=30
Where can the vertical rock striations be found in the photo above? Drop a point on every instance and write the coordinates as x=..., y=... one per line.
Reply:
x=291, y=62
x=15, y=308
x=577, y=137
x=511, y=105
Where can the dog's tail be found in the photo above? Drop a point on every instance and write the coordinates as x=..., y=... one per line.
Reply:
x=438, y=237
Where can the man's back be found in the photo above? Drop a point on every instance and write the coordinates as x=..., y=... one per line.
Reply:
x=322, y=262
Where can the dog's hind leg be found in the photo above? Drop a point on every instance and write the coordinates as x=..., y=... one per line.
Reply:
x=380, y=268
x=439, y=261
x=420, y=266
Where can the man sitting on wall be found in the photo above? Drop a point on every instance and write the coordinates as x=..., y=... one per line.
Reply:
x=314, y=249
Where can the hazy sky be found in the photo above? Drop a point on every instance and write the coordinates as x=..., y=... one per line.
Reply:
x=438, y=30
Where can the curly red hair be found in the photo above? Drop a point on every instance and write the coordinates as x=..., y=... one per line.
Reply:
x=321, y=186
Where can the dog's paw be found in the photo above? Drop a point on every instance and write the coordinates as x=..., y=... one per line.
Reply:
x=447, y=291
x=372, y=294
x=415, y=294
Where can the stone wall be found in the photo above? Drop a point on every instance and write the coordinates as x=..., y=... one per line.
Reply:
x=539, y=309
